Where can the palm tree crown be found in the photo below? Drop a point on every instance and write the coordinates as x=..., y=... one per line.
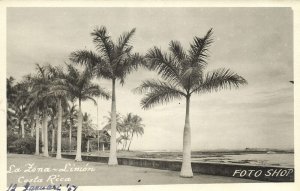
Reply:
x=183, y=73
x=114, y=60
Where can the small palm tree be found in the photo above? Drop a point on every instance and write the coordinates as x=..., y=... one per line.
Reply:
x=135, y=126
x=183, y=75
x=108, y=118
x=114, y=62
x=80, y=86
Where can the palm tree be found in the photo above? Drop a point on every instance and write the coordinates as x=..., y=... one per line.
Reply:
x=88, y=129
x=34, y=104
x=80, y=86
x=60, y=93
x=11, y=95
x=39, y=100
x=108, y=118
x=119, y=126
x=183, y=75
x=20, y=105
x=52, y=124
x=134, y=126
x=70, y=120
x=114, y=62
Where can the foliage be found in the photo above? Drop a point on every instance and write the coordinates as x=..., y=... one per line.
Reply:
x=25, y=145
x=65, y=146
x=127, y=127
x=183, y=73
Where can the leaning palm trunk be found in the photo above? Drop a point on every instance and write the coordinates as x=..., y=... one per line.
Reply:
x=37, y=136
x=186, y=168
x=79, y=132
x=130, y=141
x=58, y=152
x=45, y=129
x=113, y=140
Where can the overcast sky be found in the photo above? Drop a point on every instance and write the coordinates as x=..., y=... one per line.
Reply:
x=257, y=43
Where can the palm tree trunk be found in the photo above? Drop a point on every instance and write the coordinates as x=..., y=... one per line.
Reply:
x=32, y=129
x=70, y=137
x=186, y=168
x=79, y=133
x=98, y=138
x=88, y=146
x=113, y=140
x=22, y=127
x=45, y=128
x=58, y=151
x=53, y=140
x=37, y=135
x=43, y=136
x=130, y=141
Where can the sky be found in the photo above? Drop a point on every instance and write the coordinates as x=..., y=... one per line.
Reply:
x=256, y=43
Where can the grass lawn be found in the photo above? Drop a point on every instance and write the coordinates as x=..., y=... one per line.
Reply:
x=53, y=171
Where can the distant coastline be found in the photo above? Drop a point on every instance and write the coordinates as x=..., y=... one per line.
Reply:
x=228, y=151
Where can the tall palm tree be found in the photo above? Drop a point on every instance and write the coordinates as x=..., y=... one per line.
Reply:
x=183, y=75
x=40, y=100
x=11, y=95
x=61, y=94
x=88, y=129
x=34, y=106
x=80, y=86
x=21, y=106
x=70, y=117
x=113, y=62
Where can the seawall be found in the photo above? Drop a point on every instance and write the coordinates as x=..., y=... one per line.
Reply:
x=255, y=172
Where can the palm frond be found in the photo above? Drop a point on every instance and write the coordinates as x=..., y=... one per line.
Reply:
x=95, y=90
x=158, y=92
x=177, y=51
x=220, y=79
x=124, y=40
x=163, y=64
x=103, y=43
x=131, y=63
x=198, y=52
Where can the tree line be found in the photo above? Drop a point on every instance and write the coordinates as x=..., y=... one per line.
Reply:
x=181, y=72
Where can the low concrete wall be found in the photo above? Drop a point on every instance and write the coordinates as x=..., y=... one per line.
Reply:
x=263, y=173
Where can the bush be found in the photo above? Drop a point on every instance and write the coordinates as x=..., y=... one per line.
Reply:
x=11, y=137
x=25, y=145
x=65, y=144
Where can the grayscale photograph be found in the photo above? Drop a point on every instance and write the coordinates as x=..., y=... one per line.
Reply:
x=113, y=96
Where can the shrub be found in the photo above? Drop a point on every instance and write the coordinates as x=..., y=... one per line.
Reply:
x=11, y=137
x=65, y=144
x=25, y=145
